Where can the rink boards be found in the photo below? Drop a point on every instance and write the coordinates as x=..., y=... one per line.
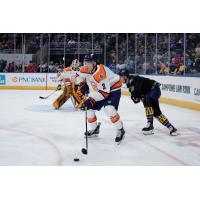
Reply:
x=178, y=91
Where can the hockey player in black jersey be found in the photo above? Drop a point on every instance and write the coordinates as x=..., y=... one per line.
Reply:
x=147, y=91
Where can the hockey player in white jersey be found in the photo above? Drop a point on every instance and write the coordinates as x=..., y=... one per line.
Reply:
x=104, y=91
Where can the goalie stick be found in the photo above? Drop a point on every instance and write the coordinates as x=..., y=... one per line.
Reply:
x=41, y=97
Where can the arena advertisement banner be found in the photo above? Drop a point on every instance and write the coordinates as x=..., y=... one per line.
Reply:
x=2, y=79
x=180, y=88
x=52, y=80
x=28, y=80
x=18, y=80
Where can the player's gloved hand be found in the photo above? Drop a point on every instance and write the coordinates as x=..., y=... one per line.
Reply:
x=59, y=87
x=135, y=100
x=89, y=103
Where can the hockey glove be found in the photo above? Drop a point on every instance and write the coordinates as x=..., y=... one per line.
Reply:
x=135, y=100
x=59, y=87
x=89, y=103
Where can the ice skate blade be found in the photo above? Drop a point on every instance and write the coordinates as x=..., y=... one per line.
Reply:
x=148, y=132
x=92, y=136
x=174, y=134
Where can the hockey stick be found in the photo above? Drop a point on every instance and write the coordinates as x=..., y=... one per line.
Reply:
x=48, y=95
x=85, y=150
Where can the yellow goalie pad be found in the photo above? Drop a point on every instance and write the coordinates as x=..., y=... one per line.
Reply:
x=68, y=91
x=63, y=97
x=78, y=96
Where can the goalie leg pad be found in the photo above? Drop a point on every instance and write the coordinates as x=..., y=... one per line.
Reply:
x=62, y=98
x=60, y=101
x=78, y=96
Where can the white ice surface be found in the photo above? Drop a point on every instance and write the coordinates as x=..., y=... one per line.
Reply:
x=33, y=133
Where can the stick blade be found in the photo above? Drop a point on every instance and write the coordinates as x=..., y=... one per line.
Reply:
x=42, y=97
x=84, y=151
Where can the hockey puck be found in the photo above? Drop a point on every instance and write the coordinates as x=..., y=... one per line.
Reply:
x=76, y=159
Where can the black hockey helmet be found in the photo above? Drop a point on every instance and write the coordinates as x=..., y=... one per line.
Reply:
x=90, y=57
x=124, y=72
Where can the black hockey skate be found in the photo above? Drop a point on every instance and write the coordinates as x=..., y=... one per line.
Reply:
x=95, y=132
x=120, y=135
x=148, y=130
x=173, y=131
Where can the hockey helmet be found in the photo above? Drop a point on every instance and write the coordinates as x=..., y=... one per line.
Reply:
x=124, y=72
x=90, y=57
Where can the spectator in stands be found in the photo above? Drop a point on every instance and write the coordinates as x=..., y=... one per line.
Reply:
x=164, y=68
x=197, y=51
x=71, y=42
x=3, y=64
x=31, y=68
x=121, y=65
x=11, y=67
x=196, y=66
x=19, y=68
x=147, y=68
x=188, y=61
x=52, y=67
x=180, y=69
x=43, y=68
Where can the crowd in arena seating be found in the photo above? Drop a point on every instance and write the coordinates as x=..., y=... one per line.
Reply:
x=6, y=42
x=143, y=60
x=162, y=62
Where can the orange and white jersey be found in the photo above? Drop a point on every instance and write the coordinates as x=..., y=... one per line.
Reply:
x=102, y=82
x=70, y=76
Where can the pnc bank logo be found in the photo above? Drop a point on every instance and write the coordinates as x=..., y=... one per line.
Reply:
x=14, y=79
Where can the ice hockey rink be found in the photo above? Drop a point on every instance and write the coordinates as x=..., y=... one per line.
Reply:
x=33, y=133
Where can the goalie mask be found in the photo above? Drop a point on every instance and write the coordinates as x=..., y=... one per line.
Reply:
x=75, y=64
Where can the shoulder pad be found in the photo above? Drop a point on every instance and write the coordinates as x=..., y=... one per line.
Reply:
x=100, y=74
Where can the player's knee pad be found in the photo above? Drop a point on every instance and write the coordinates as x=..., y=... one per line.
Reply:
x=91, y=116
x=111, y=112
x=92, y=119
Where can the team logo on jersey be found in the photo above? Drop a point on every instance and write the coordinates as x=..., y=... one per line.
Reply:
x=101, y=76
